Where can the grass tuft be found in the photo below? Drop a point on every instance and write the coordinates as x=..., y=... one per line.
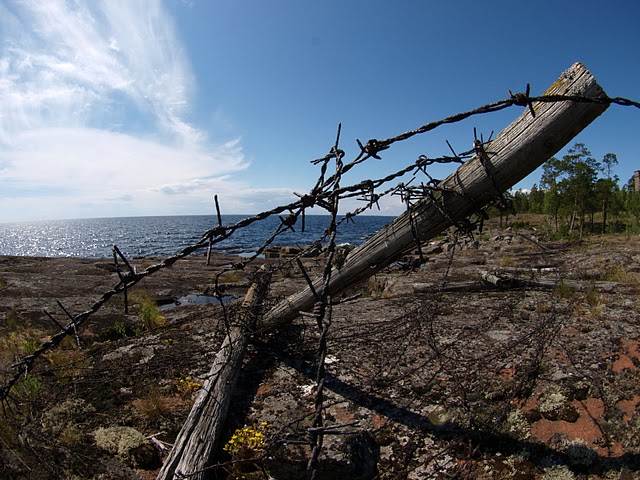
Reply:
x=149, y=313
x=563, y=290
x=622, y=275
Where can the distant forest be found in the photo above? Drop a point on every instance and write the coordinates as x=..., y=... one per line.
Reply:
x=579, y=195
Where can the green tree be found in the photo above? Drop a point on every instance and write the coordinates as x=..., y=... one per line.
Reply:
x=632, y=205
x=520, y=201
x=605, y=187
x=579, y=182
x=551, y=171
x=572, y=187
x=536, y=199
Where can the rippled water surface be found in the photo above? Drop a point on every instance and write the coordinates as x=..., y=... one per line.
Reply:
x=162, y=236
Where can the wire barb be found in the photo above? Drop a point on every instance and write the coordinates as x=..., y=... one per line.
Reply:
x=523, y=100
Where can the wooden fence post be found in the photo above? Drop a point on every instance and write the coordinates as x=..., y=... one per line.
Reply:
x=516, y=152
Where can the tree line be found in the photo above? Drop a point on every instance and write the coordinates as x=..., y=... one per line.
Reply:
x=580, y=195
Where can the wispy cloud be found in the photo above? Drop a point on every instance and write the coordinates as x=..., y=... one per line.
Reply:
x=94, y=98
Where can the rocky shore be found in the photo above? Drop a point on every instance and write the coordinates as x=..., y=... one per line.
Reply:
x=481, y=381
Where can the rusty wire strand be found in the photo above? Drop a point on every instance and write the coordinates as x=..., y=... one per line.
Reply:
x=319, y=195
x=323, y=312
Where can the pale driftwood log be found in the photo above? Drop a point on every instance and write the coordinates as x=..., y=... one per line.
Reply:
x=491, y=282
x=513, y=278
x=468, y=286
x=516, y=152
x=535, y=242
x=500, y=281
x=193, y=450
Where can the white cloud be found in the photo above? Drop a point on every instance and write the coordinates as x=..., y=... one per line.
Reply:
x=64, y=56
x=93, y=104
x=98, y=166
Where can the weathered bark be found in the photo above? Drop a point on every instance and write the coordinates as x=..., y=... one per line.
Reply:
x=193, y=450
x=517, y=151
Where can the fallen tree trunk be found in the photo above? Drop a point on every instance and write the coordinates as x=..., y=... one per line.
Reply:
x=481, y=286
x=500, y=281
x=516, y=152
x=192, y=452
x=468, y=286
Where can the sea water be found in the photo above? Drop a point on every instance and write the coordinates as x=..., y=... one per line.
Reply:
x=165, y=235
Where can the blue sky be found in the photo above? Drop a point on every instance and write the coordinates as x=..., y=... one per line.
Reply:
x=145, y=107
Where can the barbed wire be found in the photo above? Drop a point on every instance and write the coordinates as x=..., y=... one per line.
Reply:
x=316, y=197
x=327, y=194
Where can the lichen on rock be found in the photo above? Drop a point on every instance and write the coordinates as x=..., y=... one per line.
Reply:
x=128, y=445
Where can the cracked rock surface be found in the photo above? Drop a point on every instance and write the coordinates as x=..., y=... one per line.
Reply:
x=472, y=382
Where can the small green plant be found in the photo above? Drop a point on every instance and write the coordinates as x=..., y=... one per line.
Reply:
x=592, y=296
x=29, y=345
x=28, y=389
x=21, y=342
x=120, y=328
x=595, y=301
x=622, y=275
x=150, y=316
x=563, y=290
x=67, y=363
x=149, y=313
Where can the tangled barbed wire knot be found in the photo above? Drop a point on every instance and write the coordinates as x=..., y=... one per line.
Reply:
x=289, y=221
x=523, y=100
x=307, y=200
x=372, y=147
